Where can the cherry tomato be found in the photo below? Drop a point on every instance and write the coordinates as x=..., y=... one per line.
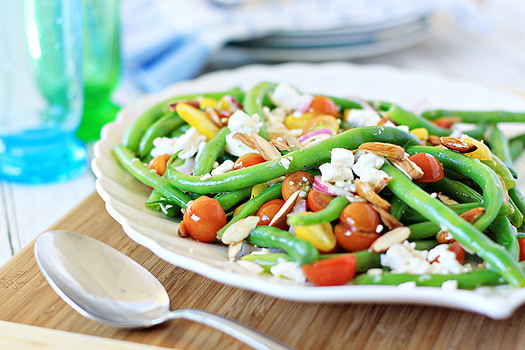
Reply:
x=295, y=181
x=334, y=271
x=268, y=210
x=248, y=160
x=159, y=164
x=320, y=235
x=322, y=121
x=293, y=122
x=460, y=252
x=317, y=200
x=323, y=104
x=202, y=219
x=521, y=242
x=432, y=168
x=360, y=216
x=353, y=241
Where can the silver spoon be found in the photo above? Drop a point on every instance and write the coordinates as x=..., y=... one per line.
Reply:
x=107, y=286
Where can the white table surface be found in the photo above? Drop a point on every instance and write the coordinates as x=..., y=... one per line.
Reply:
x=494, y=59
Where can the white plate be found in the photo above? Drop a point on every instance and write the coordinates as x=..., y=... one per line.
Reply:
x=125, y=197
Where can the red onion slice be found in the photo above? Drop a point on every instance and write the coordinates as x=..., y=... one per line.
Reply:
x=328, y=188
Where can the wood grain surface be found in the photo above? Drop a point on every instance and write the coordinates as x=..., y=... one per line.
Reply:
x=26, y=297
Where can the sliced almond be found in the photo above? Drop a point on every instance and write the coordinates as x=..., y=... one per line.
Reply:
x=214, y=117
x=181, y=230
x=240, y=230
x=251, y=266
x=395, y=236
x=378, y=187
x=173, y=106
x=365, y=191
x=244, y=139
x=408, y=167
x=383, y=149
x=434, y=140
x=280, y=217
x=383, y=121
x=446, y=199
x=458, y=145
x=233, y=250
x=387, y=218
x=444, y=236
x=280, y=143
x=292, y=141
x=265, y=148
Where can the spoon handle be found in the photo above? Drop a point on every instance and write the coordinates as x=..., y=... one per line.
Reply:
x=239, y=331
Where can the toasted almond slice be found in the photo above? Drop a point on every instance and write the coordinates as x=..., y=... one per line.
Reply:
x=244, y=139
x=292, y=141
x=214, y=117
x=382, y=184
x=365, y=191
x=387, y=218
x=251, y=266
x=446, y=199
x=181, y=230
x=240, y=230
x=265, y=148
x=280, y=143
x=434, y=140
x=383, y=149
x=458, y=145
x=287, y=207
x=408, y=167
x=173, y=106
x=383, y=121
x=233, y=250
x=395, y=236
x=471, y=216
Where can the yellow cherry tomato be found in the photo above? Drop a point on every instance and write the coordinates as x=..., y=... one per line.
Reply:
x=321, y=236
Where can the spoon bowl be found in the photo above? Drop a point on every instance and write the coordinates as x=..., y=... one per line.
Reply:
x=107, y=286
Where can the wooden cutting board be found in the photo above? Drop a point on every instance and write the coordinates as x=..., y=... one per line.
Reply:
x=26, y=298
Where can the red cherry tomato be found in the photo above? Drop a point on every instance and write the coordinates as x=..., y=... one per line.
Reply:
x=334, y=271
x=432, y=168
x=460, y=252
x=268, y=210
x=354, y=241
x=323, y=104
x=295, y=181
x=248, y=160
x=521, y=242
x=317, y=200
x=202, y=219
x=360, y=216
x=159, y=164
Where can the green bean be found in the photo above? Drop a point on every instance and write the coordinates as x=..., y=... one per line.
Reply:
x=507, y=174
x=254, y=102
x=250, y=207
x=478, y=132
x=518, y=200
x=412, y=216
x=141, y=172
x=162, y=127
x=423, y=230
x=476, y=116
x=516, y=218
x=156, y=201
x=466, y=234
x=516, y=149
x=397, y=208
x=266, y=260
x=505, y=233
x=426, y=245
x=402, y=117
x=230, y=199
x=142, y=123
x=480, y=173
x=455, y=190
x=210, y=153
x=499, y=145
x=329, y=213
x=468, y=280
x=299, y=250
x=293, y=161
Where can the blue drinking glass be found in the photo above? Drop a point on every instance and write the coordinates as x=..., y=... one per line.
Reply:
x=41, y=91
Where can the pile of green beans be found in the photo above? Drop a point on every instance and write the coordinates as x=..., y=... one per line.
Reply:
x=469, y=182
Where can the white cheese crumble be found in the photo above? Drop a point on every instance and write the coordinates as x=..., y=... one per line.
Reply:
x=205, y=177
x=339, y=170
x=226, y=166
x=288, y=269
x=285, y=163
x=407, y=285
x=286, y=97
x=241, y=122
x=449, y=286
x=368, y=167
x=188, y=144
x=405, y=258
x=362, y=117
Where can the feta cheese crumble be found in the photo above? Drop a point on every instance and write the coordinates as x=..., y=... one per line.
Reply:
x=362, y=117
x=288, y=269
x=339, y=170
x=241, y=122
x=188, y=143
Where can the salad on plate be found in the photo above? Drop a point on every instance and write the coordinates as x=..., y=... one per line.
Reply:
x=331, y=191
